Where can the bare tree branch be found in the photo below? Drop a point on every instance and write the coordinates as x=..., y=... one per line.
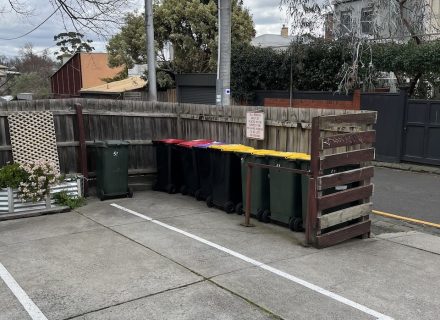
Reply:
x=98, y=16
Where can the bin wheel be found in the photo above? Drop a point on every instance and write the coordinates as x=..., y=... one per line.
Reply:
x=130, y=193
x=296, y=224
x=239, y=208
x=259, y=215
x=229, y=207
x=265, y=217
x=198, y=195
x=184, y=190
x=100, y=195
x=209, y=202
x=171, y=189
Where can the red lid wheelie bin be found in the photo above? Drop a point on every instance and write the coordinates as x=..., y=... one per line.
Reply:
x=188, y=165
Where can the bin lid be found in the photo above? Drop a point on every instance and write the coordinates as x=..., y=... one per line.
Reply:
x=108, y=143
x=298, y=156
x=193, y=143
x=171, y=141
x=272, y=153
x=207, y=145
x=233, y=148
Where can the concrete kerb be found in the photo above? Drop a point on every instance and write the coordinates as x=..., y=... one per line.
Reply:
x=408, y=167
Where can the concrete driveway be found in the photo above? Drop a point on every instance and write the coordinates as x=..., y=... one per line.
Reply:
x=160, y=256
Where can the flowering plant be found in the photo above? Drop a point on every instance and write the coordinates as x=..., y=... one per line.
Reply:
x=41, y=175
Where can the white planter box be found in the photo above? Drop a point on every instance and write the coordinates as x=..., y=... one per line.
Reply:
x=10, y=202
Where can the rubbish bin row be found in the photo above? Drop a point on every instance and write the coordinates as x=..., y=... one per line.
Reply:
x=217, y=173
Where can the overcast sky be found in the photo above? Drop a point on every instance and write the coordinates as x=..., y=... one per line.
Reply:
x=267, y=16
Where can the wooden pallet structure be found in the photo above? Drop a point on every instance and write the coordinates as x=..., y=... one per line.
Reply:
x=340, y=187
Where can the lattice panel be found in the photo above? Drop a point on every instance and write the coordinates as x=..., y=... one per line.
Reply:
x=33, y=137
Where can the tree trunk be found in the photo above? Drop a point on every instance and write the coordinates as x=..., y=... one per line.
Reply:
x=413, y=83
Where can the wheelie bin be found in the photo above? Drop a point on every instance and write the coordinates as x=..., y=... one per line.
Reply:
x=190, y=181
x=203, y=165
x=226, y=176
x=303, y=161
x=168, y=166
x=286, y=190
x=111, y=158
x=260, y=199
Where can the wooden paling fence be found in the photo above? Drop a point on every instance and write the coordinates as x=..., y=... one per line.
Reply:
x=140, y=122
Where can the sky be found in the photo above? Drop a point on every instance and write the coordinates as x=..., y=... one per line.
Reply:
x=267, y=16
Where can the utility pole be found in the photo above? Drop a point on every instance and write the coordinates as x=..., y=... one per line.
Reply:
x=223, y=85
x=151, y=55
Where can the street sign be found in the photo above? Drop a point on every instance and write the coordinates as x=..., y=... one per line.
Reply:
x=255, y=125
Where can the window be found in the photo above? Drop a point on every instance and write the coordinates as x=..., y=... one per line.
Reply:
x=345, y=22
x=367, y=21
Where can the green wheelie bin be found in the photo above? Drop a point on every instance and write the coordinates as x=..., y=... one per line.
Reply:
x=287, y=194
x=260, y=200
x=111, y=158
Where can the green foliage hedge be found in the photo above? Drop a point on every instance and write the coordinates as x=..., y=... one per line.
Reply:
x=318, y=64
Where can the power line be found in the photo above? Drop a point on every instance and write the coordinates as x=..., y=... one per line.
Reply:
x=35, y=28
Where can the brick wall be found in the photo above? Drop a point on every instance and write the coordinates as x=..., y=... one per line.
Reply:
x=354, y=104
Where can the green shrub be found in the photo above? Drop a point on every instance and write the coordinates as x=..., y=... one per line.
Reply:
x=64, y=199
x=12, y=175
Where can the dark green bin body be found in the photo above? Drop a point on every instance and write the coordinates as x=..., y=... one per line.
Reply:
x=304, y=165
x=225, y=180
x=260, y=199
x=111, y=158
x=285, y=191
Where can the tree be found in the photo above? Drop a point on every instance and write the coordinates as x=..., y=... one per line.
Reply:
x=31, y=82
x=97, y=16
x=28, y=61
x=190, y=26
x=35, y=70
x=391, y=19
x=71, y=43
x=128, y=47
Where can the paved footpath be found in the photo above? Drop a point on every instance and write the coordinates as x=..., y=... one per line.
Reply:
x=158, y=256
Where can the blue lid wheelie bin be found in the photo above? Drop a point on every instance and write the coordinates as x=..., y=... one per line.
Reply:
x=203, y=165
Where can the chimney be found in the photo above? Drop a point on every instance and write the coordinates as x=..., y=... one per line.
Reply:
x=284, y=31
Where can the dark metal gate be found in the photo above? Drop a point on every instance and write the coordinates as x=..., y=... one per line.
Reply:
x=421, y=134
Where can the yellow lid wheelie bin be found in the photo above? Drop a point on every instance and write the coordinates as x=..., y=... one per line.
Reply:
x=287, y=195
x=226, y=176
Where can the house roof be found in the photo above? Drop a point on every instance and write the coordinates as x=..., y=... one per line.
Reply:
x=272, y=41
x=129, y=84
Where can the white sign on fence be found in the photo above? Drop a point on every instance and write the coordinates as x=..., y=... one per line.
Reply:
x=255, y=125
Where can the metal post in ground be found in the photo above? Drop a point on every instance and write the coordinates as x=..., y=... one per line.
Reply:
x=247, y=214
x=223, y=89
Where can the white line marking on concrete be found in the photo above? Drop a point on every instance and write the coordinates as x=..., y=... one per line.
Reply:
x=266, y=267
x=31, y=308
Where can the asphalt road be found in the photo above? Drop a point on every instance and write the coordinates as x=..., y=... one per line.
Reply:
x=409, y=194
